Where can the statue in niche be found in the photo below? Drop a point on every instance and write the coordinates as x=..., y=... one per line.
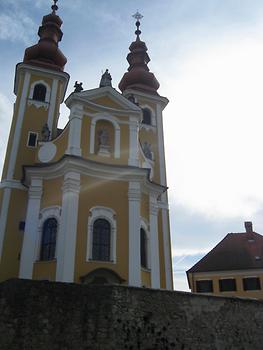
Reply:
x=45, y=133
x=103, y=141
x=147, y=150
x=78, y=87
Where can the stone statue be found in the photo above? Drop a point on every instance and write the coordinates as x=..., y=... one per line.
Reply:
x=103, y=137
x=147, y=150
x=105, y=79
x=78, y=87
x=45, y=133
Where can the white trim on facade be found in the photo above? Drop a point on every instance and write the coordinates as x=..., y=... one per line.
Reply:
x=51, y=112
x=3, y=217
x=145, y=225
x=31, y=228
x=13, y=184
x=154, y=243
x=75, y=123
x=109, y=215
x=19, y=122
x=47, y=213
x=134, y=142
x=115, y=122
x=134, y=197
x=37, y=103
x=67, y=235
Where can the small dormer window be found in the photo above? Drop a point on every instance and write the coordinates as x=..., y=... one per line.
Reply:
x=39, y=93
x=147, y=116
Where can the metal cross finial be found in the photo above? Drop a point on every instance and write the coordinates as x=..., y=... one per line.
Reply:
x=138, y=16
x=54, y=7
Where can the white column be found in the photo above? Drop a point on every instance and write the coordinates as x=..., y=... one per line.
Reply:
x=154, y=243
x=3, y=217
x=164, y=198
x=31, y=229
x=19, y=122
x=133, y=136
x=134, y=195
x=52, y=104
x=66, y=247
x=74, y=139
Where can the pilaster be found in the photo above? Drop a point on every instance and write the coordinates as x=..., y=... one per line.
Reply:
x=75, y=121
x=133, y=135
x=154, y=243
x=31, y=229
x=66, y=247
x=134, y=196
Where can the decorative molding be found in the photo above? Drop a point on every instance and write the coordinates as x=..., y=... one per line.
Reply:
x=102, y=213
x=47, y=151
x=75, y=123
x=38, y=104
x=71, y=183
x=15, y=184
x=51, y=112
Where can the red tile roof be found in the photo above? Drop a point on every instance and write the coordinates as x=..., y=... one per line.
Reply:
x=237, y=251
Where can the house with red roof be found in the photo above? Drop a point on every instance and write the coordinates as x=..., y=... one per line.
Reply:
x=234, y=267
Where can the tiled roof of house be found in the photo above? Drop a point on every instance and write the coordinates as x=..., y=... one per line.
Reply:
x=237, y=251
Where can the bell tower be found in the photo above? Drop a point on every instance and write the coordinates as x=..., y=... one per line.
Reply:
x=40, y=85
x=140, y=86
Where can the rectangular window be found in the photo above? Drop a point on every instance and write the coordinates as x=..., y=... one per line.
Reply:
x=204, y=286
x=227, y=285
x=32, y=139
x=251, y=283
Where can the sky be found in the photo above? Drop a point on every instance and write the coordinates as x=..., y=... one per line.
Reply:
x=208, y=57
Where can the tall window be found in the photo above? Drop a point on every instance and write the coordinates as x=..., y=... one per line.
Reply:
x=204, y=286
x=251, y=283
x=39, y=93
x=227, y=285
x=101, y=240
x=147, y=117
x=143, y=248
x=49, y=237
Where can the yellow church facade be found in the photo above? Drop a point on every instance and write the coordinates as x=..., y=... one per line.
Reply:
x=86, y=204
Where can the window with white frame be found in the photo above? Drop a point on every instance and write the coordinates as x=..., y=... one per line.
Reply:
x=101, y=242
x=40, y=91
x=48, y=229
x=32, y=139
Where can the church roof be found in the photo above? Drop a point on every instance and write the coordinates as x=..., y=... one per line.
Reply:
x=236, y=251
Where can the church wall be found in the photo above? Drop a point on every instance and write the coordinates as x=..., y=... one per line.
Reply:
x=52, y=192
x=145, y=206
x=146, y=278
x=13, y=241
x=44, y=315
x=45, y=270
x=103, y=193
x=106, y=101
x=61, y=143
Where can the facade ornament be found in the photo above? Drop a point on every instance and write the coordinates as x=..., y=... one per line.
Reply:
x=54, y=7
x=45, y=133
x=147, y=150
x=105, y=79
x=78, y=86
x=103, y=141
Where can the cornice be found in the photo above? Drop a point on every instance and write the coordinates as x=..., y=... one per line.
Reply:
x=95, y=169
x=156, y=98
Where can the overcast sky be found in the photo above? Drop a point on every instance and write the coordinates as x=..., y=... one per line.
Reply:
x=208, y=58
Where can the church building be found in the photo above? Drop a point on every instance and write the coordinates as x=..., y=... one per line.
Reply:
x=88, y=203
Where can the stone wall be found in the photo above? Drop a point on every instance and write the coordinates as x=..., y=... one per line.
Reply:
x=56, y=316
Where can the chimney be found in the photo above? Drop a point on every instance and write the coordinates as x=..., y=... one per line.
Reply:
x=248, y=226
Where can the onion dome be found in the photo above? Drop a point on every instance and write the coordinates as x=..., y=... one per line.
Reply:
x=46, y=52
x=138, y=76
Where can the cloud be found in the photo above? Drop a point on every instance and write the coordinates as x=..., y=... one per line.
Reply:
x=214, y=128
x=15, y=24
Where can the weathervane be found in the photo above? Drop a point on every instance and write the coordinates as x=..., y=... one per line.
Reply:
x=54, y=7
x=138, y=17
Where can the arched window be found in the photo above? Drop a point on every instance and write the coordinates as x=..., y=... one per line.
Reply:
x=39, y=93
x=49, y=237
x=147, y=116
x=101, y=240
x=143, y=248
